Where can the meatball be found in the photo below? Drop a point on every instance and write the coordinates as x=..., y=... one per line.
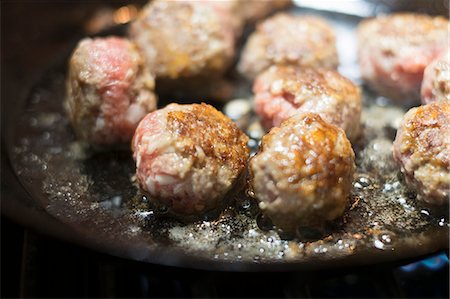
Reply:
x=436, y=81
x=229, y=11
x=395, y=49
x=185, y=42
x=283, y=91
x=284, y=39
x=303, y=172
x=188, y=157
x=422, y=150
x=109, y=90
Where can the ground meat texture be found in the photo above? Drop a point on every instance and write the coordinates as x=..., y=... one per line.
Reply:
x=185, y=39
x=395, y=49
x=436, y=80
x=229, y=11
x=304, y=41
x=283, y=91
x=109, y=90
x=422, y=150
x=188, y=157
x=303, y=172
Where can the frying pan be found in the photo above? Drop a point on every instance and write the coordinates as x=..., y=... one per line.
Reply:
x=53, y=185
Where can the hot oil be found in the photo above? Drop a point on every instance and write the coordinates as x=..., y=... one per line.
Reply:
x=96, y=193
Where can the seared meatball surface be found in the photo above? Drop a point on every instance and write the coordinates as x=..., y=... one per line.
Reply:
x=283, y=91
x=305, y=41
x=422, y=150
x=185, y=39
x=436, y=80
x=109, y=90
x=303, y=172
x=395, y=49
x=188, y=157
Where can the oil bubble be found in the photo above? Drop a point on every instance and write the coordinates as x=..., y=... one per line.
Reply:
x=384, y=241
x=263, y=222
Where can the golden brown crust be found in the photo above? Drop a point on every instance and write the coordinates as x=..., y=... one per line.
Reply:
x=435, y=120
x=315, y=150
x=303, y=172
x=422, y=150
x=219, y=137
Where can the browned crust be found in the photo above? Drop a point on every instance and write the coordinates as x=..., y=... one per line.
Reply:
x=425, y=133
x=205, y=127
x=310, y=160
x=316, y=151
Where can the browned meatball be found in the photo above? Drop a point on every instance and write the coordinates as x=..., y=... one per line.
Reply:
x=303, y=173
x=436, y=80
x=283, y=91
x=185, y=42
x=395, y=49
x=188, y=157
x=422, y=149
x=305, y=41
x=109, y=90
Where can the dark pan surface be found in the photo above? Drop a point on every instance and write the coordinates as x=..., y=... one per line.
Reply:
x=96, y=197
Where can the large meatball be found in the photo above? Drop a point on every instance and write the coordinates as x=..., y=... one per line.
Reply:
x=185, y=40
x=436, y=80
x=109, y=90
x=284, y=39
x=395, y=49
x=422, y=150
x=283, y=91
x=303, y=173
x=188, y=157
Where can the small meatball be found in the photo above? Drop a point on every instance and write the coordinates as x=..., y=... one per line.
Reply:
x=284, y=39
x=185, y=39
x=436, y=81
x=252, y=11
x=109, y=90
x=283, y=91
x=303, y=172
x=422, y=150
x=188, y=157
x=394, y=51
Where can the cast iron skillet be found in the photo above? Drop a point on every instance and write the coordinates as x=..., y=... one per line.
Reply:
x=91, y=198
